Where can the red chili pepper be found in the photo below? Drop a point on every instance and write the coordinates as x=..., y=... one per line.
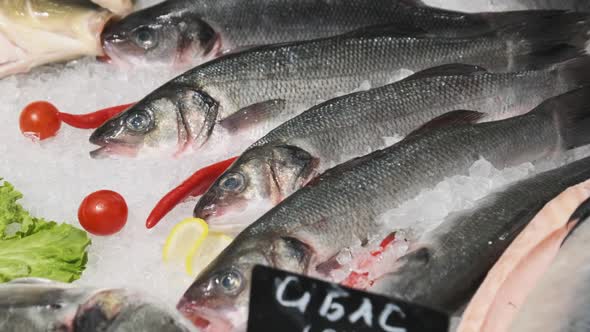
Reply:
x=94, y=119
x=195, y=185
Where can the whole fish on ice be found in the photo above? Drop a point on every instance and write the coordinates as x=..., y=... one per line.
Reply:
x=445, y=266
x=178, y=32
x=255, y=90
x=341, y=208
x=285, y=159
x=37, y=32
x=39, y=305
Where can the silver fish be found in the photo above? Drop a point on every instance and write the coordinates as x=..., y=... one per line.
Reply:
x=178, y=32
x=342, y=207
x=445, y=266
x=42, y=305
x=290, y=155
x=256, y=90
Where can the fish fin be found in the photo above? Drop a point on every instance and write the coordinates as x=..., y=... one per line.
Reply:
x=251, y=115
x=291, y=254
x=571, y=112
x=419, y=257
x=575, y=72
x=579, y=216
x=448, y=70
x=240, y=49
x=449, y=119
x=36, y=281
x=546, y=40
x=328, y=266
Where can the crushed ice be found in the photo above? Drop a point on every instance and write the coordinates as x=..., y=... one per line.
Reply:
x=57, y=174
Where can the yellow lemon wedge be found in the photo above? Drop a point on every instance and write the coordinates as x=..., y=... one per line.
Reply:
x=184, y=239
x=204, y=254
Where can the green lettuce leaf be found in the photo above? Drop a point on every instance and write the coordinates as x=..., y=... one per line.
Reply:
x=34, y=247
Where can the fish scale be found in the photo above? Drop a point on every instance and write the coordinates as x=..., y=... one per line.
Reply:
x=299, y=74
x=342, y=207
x=353, y=125
x=361, y=58
x=447, y=264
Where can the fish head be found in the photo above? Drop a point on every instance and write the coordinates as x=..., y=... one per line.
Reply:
x=117, y=310
x=261, y=178
x=172, y=118
x=162, y=34
x=218, y=299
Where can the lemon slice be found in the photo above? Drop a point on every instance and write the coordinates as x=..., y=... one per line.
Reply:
x=184, y=239
x=204, y=254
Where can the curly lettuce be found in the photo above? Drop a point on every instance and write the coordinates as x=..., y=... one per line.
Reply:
x=34, y=247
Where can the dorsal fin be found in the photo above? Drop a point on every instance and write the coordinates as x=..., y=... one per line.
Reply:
x=579, y=216
x=449, y=119
x=448, y=70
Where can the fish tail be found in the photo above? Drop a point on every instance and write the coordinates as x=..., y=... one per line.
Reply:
x=547, y=39
x=574, y=73
x=571, y=112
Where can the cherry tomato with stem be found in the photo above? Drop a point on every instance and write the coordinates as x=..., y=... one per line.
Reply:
x=103, y=212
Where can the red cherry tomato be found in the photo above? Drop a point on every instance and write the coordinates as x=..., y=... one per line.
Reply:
x=103, y=212
x=40, y=119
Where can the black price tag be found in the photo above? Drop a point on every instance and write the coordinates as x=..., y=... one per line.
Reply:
x=286, y=302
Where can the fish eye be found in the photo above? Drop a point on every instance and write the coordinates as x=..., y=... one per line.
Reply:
x=145, y=38
x=230, y=281
x=139, y=121
x=232, y=182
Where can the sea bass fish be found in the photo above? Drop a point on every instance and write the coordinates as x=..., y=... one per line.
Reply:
x=39, y=305
x=445, y=266
x=285, y=159
x=37, y=32
x=255, y=90
x=512, y=278
x=178, y=32
x=342, y=207
x=559, y=300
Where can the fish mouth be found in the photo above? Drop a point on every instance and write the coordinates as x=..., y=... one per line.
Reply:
x=108, y=149
x=207, y=320
x=232, y=218
x=105, y=38
x=104, y=58
x=227, y=222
